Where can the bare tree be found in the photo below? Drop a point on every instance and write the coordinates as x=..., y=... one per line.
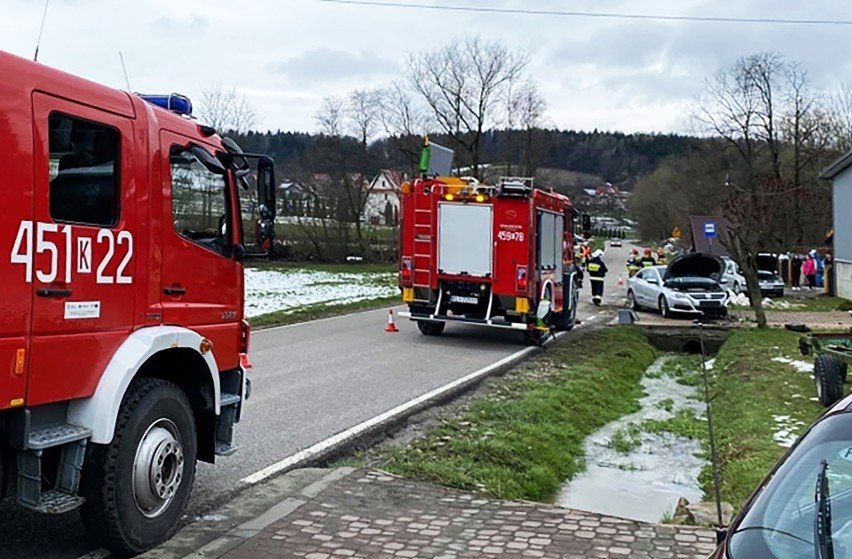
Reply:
x=527, y=108
x=462, y=83
x=226, y=109
x=404, y=121
x=773, y=128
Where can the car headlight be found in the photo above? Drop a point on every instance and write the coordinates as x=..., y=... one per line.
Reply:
x=681, y=296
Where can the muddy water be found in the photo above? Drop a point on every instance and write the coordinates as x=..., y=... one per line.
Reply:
x=646, y=483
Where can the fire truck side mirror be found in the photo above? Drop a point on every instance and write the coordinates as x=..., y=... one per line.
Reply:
x=266, y=185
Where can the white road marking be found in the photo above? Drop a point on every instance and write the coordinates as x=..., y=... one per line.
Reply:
x=400, y=410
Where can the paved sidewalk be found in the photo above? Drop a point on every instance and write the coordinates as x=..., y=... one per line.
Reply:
x=370, y=514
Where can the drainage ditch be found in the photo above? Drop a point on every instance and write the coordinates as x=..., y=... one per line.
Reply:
x=634, y=470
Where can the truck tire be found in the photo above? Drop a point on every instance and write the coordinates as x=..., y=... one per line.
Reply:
x=567, y=319
x=137, y=487
x=431, y=328
x=828, y=379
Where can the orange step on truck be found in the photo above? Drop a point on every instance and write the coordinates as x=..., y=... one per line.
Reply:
x=123, y=348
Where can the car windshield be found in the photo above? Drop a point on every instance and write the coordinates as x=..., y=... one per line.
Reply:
x=780, y=523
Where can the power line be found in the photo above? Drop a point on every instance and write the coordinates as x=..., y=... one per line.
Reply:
x=602, y=15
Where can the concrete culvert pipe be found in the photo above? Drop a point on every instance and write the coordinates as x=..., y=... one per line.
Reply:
x=692, y=347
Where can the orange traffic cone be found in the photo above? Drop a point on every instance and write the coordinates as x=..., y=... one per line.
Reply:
x=620, y=281
x=391, y=327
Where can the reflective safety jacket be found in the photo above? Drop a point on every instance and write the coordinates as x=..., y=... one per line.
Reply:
x=648, y=261
x=597, y=269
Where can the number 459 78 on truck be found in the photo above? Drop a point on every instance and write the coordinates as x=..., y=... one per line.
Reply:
x=123, y=349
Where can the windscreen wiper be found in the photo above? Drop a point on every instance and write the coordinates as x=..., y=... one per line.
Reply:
x=822, y=515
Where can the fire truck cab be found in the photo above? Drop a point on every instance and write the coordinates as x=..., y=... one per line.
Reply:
x=123, y=348
x=499, y=255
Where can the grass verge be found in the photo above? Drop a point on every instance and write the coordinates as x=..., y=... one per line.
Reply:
x=751, y=395
x=524, y=438
x=318, y=311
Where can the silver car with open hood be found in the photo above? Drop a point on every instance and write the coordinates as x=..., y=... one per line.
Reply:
x=690, y=284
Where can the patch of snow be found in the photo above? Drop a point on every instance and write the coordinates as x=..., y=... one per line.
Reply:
x=740, y=300
x=787, y=431
x=800, y=366
x=276, y=290
x=710, y=364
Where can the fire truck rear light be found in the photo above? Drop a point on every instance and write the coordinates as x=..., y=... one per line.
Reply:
x=17, y=402
x=480, y=197
x=522, y=278
x=449, y=197
x=406, y=269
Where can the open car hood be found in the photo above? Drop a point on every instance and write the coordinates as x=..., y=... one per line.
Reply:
x=767, y=262
x=695, y=264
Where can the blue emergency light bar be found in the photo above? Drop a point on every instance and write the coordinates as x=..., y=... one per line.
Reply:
x=174, y=102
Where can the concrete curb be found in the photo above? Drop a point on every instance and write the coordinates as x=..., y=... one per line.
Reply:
x=363, y=433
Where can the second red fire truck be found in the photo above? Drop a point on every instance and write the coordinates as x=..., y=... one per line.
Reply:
x=497, y=255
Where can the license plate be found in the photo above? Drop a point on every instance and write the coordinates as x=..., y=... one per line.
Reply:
x=709, y=303
x=465, y=300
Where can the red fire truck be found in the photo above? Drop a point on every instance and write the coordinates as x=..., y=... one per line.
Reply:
x=499, y=256
x=122, y=335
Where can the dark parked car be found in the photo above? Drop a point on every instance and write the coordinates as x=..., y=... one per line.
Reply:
x=771, y=284
x=803, y=507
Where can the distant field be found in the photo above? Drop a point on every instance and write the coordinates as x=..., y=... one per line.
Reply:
x=279, y=294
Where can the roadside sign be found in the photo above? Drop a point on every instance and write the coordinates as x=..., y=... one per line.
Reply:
x=676, y=233
x=709, y=229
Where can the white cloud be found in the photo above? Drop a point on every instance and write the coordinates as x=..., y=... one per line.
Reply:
x=286, y=55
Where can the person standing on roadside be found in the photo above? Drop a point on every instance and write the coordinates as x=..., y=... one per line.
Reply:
x=633, y=263
x=796, y=272
x=809, y=269
x=597, y=273
x=648, y=260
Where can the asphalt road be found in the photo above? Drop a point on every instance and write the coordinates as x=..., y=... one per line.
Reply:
x=309, y=382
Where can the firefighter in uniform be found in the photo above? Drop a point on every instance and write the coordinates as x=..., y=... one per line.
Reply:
x=661, y=256
x=597, y=274
x=648, y=260
x=586, y=253
x=633, y=263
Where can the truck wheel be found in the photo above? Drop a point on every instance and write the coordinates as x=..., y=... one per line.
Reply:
x=566, y=320
x=137, y=487
x=828, y=379
x=430, y=328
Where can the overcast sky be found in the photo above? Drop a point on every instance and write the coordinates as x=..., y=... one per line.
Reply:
x=286, y=55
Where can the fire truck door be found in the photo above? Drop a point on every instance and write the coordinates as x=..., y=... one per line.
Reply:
x=78, y=250
x=202, y=283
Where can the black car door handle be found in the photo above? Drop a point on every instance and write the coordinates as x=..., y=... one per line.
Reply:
x=52, y=292
x=174, y=291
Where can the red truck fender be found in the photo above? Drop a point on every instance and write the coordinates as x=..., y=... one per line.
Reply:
x=99, y=412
